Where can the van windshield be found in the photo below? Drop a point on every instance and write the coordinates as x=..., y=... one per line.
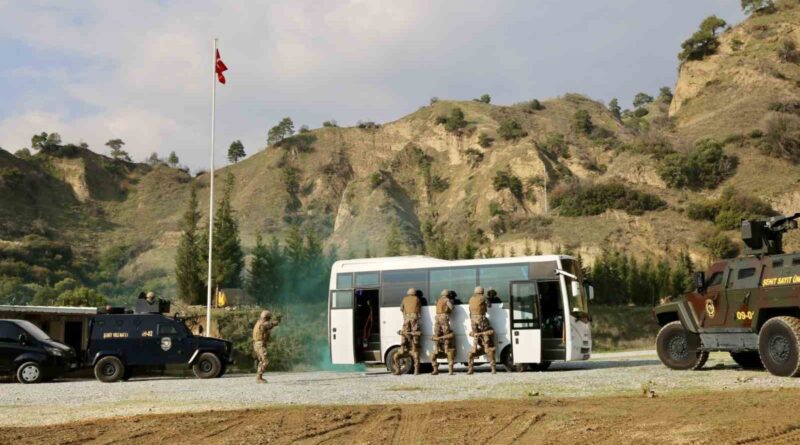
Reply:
x=33, y=330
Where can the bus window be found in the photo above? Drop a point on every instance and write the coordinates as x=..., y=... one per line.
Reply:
x=367, y=279
x=344, y=281
x=396, y=283
x=342, y=299
x=460, y=280
x=498, y=278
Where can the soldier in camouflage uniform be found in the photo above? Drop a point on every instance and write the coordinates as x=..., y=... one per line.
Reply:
x=261, y=335
x=481, y=329
x=410, y=333
x=442, y=334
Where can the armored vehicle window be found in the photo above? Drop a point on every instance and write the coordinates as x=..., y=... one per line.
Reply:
x=745, y=273
x=167, y=329
x=795, y=261
x=715, y=279
x=777, y=263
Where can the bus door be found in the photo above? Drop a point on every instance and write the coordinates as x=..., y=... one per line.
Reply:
x=526, y=334
x=341, y=327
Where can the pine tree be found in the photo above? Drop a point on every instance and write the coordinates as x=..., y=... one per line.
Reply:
x=189, y=259
x=613, y=107
x=228, y=261
x=172, y=160
x=236, y=151
x=260, y=274
x=527, y=250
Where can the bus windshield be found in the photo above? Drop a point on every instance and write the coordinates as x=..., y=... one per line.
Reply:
x=578, y=302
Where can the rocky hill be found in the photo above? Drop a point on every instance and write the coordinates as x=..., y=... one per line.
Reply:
x=450, y=183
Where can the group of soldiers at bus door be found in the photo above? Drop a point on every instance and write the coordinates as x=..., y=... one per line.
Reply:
x=443, y=337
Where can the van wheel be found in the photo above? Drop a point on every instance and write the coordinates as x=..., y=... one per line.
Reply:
x=507, y=359
x=778, y=343
x=207, y=366
x=406, y=362
x=109, y=369
x=747, y=359
x=29, y=372
x=678, y=348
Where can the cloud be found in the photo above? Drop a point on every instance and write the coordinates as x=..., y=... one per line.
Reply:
x=141, y=71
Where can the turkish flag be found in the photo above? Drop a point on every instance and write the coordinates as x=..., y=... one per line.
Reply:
x=220, y=68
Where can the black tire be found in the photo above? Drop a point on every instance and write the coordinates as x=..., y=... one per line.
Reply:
x=539, y=367
x=109, y=369
x=779, y=344
x=679, y=349
x=29, y=372
x=207, y=366
x=748, y=359
x=406, y=362
x=507, y=359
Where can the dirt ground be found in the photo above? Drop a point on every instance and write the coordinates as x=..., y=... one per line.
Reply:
x=736, y=416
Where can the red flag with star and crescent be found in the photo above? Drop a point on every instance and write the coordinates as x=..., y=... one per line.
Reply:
x=220, y=68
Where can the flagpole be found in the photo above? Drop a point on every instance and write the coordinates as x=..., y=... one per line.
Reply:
x=211, y=193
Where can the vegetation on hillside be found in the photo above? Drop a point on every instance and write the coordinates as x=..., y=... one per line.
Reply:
x=706, y=166
x=727, y=211
x=594, y=199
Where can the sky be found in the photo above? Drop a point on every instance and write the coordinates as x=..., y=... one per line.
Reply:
x=142, y=70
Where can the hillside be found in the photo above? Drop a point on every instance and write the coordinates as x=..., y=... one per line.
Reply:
x=442, y=187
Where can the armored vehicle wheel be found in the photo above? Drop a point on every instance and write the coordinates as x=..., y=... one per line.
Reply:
x=539, y=367
x=507, y=359
x=778, y=343
x=406, y=363
x=207, y=366
x=747, y=359
x=679, y=349
x=29, y=372
x=109, y=369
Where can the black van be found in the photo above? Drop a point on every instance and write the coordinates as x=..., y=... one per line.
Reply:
x=30, y=354
x=123, y=344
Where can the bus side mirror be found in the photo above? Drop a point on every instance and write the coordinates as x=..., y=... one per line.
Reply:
x=700, y=281
x=591, y=292
x=576, y=289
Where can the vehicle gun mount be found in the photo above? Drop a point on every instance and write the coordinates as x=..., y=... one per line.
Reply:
x=765, y=237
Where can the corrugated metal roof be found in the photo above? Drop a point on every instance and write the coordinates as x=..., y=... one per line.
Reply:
x=49, y=309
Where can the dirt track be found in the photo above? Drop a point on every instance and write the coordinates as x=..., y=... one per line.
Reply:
x=720, y=417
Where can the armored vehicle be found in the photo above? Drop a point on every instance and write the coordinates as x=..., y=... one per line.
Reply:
x=121, y=344
x=748, y=306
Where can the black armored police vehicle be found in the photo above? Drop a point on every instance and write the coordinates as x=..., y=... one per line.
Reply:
x=122, y=344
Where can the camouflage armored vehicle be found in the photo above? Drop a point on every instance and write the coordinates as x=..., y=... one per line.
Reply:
x=748, y=306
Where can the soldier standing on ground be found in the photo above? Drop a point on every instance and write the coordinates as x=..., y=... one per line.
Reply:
x=409, y=333
x=481, y=330
x=261, y=335
x=442, y=334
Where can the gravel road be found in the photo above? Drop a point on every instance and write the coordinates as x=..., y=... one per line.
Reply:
x=606, y=374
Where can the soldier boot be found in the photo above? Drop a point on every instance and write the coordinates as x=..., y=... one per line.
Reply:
x=490, y=356
x=451, y=355
x=470, y=363
x=260, y=379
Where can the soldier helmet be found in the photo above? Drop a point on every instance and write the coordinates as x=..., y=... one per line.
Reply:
x=479, y=290
x=446, y=292
x=151, y=296
x=266, y=315
x=411, y=291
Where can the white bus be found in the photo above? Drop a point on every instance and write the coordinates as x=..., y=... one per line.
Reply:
x=541, y=304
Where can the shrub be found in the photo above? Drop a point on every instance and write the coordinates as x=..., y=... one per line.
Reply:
x=484, y=140
x=758, y=6
x=787, y=52
x=375, y=180
x=706, y=166
x=484, y=99
x=555, y=145
x=367, y=125
x=642, y=99
x=730, y=209
x=704, y=42
x=474, y=156
x=786, y=107
x=455, y=122
x=330, y=124
x=720, y=246
x=511, y=130
x=439, y=184
x=582, y=122
x=782, y=137
x=504, y=179
x=300, y=143
x=81, y=297
x=586, y=200
x=641, y=112
x=433, y=100
x=756, y=134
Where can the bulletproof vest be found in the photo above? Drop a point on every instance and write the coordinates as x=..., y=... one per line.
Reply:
x=261, y=330
x=411, y=305
x=442, y=306
x=477, y=305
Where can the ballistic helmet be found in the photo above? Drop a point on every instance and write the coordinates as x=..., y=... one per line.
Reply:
x=266, y=315
x=479, y=290
x=411, y=291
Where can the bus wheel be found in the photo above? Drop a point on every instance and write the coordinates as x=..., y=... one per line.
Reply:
x=779, y=344
x=679, y=349
x=747, y=359
x=406, y=363
x=507, y=359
